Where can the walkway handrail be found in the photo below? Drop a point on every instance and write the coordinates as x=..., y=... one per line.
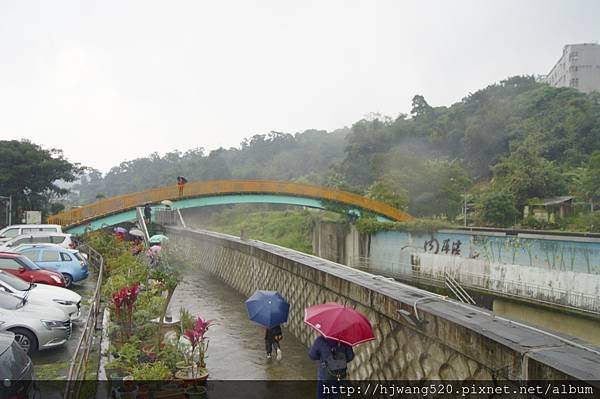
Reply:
x=139, y=212
x=78, y=368
x=84, y=214
x=458, y=290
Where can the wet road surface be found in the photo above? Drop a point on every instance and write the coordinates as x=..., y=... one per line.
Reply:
x=237, y=347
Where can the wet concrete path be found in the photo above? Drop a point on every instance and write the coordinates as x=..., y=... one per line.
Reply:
x=236, y=349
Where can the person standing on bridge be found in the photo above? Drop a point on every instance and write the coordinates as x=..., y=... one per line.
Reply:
x=180, y=184
x=148, y=213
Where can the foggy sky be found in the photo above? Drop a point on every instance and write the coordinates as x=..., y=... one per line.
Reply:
x=108, y=81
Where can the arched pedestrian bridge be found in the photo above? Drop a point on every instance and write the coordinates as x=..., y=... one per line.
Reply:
x=118, y=209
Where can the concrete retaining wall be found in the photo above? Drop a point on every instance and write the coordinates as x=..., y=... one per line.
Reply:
x=567, y=288
x=456, y=342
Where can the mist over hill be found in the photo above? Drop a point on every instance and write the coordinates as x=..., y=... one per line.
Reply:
x=511, y=141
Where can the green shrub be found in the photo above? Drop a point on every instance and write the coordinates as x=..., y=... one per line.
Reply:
x=367, y=225
x=155, y=371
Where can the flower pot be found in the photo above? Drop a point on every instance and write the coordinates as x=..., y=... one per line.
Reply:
x=196, y=391
x=149, y=348
x=124, y=392
x=183, y=366
x=143, y=392
x=188, y=378
x=175, y=393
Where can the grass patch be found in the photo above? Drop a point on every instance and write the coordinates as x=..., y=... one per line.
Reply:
x=52, y=371
x=290, y=228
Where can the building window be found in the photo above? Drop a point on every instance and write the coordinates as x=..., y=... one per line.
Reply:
x=574, y=82
x=573, y=56
x=573, y=68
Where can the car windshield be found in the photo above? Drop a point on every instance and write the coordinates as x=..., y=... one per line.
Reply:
x=14, y=282
x=27, y=262
x=9, y=302
x=13, y=363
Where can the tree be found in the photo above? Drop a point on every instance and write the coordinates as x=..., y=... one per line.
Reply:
x=384, y=189
x=497, y=208
x=527, y=175
x=590, y=183
x=30, y=174
x=437, y=188
x=420, y=108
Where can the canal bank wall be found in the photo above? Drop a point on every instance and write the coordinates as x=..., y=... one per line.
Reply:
x=419, y=335
x=556, y=271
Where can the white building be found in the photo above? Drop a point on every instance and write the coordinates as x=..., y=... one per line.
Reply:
x=578, y=67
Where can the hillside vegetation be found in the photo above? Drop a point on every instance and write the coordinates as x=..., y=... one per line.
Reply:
x=288, y=227
x=501, y=146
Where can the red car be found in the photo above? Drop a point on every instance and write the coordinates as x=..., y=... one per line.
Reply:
x=22, y=267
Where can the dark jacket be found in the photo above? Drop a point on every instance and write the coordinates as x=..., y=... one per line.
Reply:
x=270, y=333
x=321, y=350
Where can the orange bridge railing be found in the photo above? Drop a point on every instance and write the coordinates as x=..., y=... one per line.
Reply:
x=108, y=206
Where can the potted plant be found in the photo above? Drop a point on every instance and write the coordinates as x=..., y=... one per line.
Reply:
x=195, y=391
x=128, y=390
x=151, y=373
x=170, y=391
x=124, y=301
x=186, y=322
x=196, y=354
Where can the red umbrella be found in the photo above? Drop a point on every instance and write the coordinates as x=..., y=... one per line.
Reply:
x=339, y=323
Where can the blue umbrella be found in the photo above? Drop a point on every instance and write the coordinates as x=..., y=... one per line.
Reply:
x=268, y=308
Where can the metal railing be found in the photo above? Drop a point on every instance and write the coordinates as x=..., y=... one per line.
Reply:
x=458, y=291
x=78, y=368
x=121, y=203
x=139, y=213
x=517, y=289
x=181, y=219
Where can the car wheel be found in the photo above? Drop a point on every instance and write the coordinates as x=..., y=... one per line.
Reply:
x=26, y=339
x=68, y=280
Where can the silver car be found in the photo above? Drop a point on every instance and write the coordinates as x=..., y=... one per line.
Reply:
x=42, y=294
x=35, y=327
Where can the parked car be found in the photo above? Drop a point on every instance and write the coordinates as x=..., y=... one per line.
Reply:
x=19, y=229
x=68, y=262
x=20, y=266
x=35, y=327
x=19, y=247
x=42, y=294
x=16, y=370
x=62, y=239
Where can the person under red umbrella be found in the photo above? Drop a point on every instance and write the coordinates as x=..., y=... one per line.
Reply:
x=333, y=357
x=340, y=328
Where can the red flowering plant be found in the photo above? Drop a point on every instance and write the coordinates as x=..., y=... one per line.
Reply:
x=124, y=301
x=198, y=341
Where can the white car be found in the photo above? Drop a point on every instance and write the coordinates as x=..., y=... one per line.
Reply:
x=19, y=229
x=42, y=294
x=61, y=239
x=35, y=327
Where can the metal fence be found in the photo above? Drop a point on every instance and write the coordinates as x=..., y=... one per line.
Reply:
x=480, y=282
x=79, y=361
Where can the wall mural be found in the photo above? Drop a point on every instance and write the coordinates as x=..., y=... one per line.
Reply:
x=582, y=257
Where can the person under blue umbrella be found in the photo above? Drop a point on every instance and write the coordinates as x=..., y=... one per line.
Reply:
x=272, y=338
x=269, y=309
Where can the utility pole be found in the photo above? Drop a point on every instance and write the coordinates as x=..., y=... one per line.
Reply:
x=8, y=217
x=465, y=205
